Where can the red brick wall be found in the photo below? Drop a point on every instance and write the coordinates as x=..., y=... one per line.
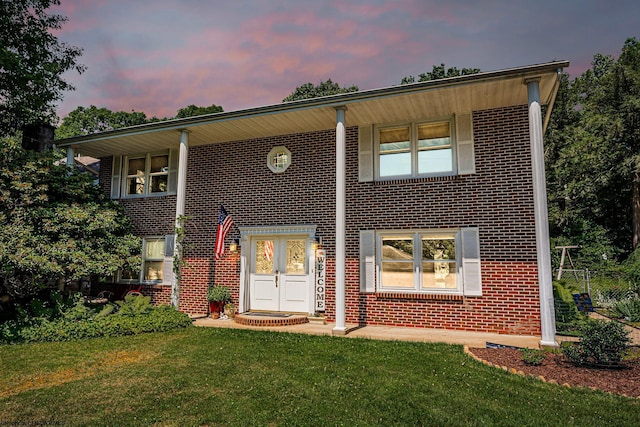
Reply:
x=498, y=199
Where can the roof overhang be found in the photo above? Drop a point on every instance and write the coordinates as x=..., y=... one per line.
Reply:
x=436, y=98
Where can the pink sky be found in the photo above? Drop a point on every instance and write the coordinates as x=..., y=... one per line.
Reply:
x=159, y=56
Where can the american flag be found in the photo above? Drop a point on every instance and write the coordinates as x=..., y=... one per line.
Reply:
x=224, y=225
x=268, y=250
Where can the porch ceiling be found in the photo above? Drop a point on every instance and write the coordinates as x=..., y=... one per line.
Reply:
x=399, y=103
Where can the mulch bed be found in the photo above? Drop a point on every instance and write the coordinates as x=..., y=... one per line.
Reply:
x=555, y=368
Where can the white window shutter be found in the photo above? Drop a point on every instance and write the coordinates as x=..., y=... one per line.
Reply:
x=173, y=172
x=367, y=261
x=169, y=245
x=116, y=177
x=167, y=271
x=471, y=276
x=365, y=153
x=466, y=154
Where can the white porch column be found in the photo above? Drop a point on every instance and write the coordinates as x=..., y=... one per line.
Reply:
x=547, y=314
x=180, y=203
x=340, y=327
x=70, y=156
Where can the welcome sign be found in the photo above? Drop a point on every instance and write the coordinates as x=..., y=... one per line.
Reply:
x=321, y=264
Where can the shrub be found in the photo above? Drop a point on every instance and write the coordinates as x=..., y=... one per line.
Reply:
x=532, y=356
x=603, y=343
x=628, y=309
x=136, y=316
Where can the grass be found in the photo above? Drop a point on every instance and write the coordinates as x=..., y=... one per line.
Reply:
x=202, y=376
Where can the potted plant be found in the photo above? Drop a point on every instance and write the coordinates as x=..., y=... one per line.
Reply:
x=230, y=310
x=317, y=318
x=217, y=297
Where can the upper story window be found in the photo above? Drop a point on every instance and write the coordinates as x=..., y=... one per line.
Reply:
x=415, y=149
x=144, y=175
x=279, y=159
x=147, y=174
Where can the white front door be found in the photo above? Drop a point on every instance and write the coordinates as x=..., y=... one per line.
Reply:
x=279, y=278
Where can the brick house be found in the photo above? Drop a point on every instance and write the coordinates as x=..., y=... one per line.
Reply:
x=420, y=205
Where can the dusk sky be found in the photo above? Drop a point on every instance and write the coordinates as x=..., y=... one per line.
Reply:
x=157, y=56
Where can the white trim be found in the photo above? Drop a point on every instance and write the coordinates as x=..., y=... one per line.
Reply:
x=249, y=234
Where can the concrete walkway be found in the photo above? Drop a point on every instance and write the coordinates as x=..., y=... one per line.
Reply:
x=471, y=339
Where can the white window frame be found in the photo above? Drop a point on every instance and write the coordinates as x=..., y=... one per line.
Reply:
x=273, y=159
x=416, y=236
x=413, y=135
x=147, y=174
x=161, y=258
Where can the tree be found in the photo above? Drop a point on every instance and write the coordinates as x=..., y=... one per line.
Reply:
x=85, y=121
x=439, y=72
x=32, y=61
x=55, y=224
x=593, y=157
x=194, y=110
x=309, y=90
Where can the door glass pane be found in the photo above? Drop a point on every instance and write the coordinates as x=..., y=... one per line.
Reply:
x=264, y=256
x=296, y=257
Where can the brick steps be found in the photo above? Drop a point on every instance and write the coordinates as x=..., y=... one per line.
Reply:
x=263, y=319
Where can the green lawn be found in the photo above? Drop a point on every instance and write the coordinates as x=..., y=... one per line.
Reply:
x=207, y=376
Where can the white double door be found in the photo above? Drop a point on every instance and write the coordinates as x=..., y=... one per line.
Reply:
x=279, y=278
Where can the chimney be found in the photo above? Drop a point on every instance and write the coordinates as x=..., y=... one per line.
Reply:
x=38, y=137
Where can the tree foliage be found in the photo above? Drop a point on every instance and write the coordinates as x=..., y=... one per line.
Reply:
x=593, y=158
x=32, y=61
x=55, y=224
x=326, y=88
x=194, y=110
x=439, y=72
x=85, y=121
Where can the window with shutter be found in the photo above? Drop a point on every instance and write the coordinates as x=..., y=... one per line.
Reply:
x=416, y=149
x=422, y=261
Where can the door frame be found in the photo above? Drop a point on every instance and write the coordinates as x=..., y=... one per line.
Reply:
x=248, y=234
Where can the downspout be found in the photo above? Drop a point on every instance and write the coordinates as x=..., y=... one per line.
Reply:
x=547, y=314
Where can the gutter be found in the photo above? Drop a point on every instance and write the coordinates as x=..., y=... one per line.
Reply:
x=330, y=101
x=552, y=101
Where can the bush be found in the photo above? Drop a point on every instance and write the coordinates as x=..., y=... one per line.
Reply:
x=603, y=343
x=628, y=309
x=532, y=356
x=135, y=315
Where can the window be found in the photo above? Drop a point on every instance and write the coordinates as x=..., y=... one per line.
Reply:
x=421, y=261
x=153, y=259
x=279, y=159
x=420, y=149
x=147, y=174
x=432, y=267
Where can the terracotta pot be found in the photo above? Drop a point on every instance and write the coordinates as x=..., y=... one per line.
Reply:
x=215, y=307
